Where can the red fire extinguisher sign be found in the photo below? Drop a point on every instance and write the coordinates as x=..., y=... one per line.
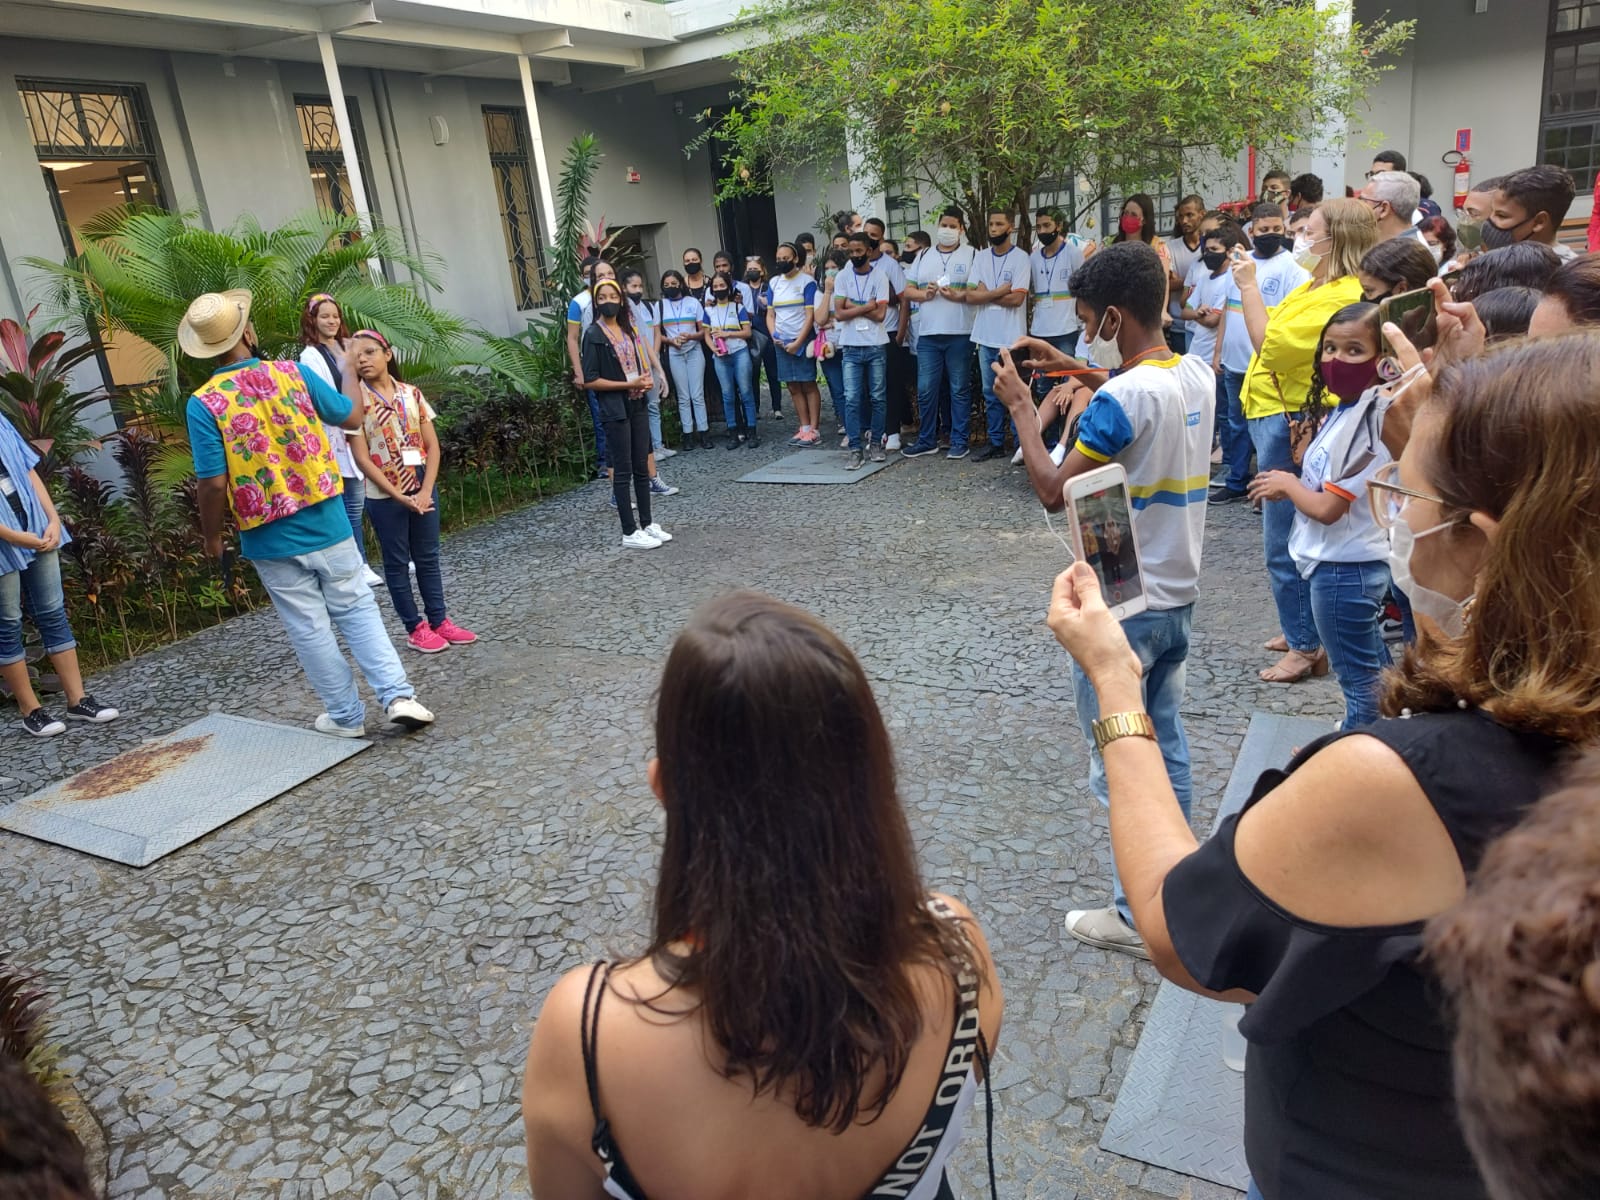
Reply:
x=1463, y=167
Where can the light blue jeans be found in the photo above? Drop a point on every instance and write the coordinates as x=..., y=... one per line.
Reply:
x=315, y=592
x=941, y=356
x=1347, y=604
x=1254, y=1193
x=47, y=608
x=652, y=402
x=736, y=373
x=688, y=367
x=1161, y=640
x=1290, y=593
x=865, y=383
x=999, y=419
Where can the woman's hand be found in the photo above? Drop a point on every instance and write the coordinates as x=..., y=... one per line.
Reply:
x=1461, y=333
x=420, y=503
x=1272, y=485
x=1084, y=625
x=1243, y=267
x=52, y=535
x=645, y=382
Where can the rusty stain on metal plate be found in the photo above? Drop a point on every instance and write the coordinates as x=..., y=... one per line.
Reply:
x=132, y=770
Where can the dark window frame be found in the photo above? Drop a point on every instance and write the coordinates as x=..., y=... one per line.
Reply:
x=1586, y=121
x=330, y=158
x=509, y=163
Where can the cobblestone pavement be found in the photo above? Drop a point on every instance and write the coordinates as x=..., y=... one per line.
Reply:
x=332, y=995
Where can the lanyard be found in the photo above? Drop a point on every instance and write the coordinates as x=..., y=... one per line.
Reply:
x=1052, y=263
x=617, y=346
x=721, y=313
x=995, y=262
x=396, y=405
x=866, y=284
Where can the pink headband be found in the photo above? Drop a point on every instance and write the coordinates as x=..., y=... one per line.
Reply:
x=375, y=336
x=311, y=304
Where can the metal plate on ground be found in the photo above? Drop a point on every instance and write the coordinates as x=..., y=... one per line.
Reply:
x=1180, y=1106
x=149, y=801
x=816, y=466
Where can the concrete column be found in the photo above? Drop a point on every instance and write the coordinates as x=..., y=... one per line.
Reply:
x=541, y=166
x=347, y=140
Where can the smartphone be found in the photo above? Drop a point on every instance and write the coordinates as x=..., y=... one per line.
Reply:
x=1100, y=515
x=1413, y=312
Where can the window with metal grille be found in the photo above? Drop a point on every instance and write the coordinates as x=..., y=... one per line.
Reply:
x=319, y=134
x=1569, y=129
x=511, y=163
x=902, y=214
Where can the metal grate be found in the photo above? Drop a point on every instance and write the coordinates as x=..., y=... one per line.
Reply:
x=319, y=135
x=511, y=164
x=87, y=120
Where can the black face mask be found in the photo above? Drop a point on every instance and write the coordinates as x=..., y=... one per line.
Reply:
x=752, y=276
x=908, y=256
x=873, y=243
x=999, y=239
x=692, y=267
x=608, y=308
x=672, y=293
x=858, y=261
x=1048, y=239
x=1213, y=260
x=1268, y=244
x=1497, y=236
x=719, y=297
x=785, y=265
x=636, y=297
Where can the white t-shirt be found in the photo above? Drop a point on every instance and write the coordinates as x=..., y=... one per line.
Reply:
x=1211, y=292
x=1155, y=419
x=680, y=317
x=854, y=288
x=1054, y=313
x=1276, y=277
x=996, y=326
x=311, y=358
x=940, y=316
x=790, y=301
x=1183, y=261
x=1354, y=537
x=729, y=316
x=897, y=284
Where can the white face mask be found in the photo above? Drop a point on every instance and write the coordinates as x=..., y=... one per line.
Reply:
x=1104, y=351
x=1437, y=251
x=1305, y=258
x=1448, y=614
x=947, y=237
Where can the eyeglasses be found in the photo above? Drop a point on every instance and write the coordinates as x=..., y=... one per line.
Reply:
x=1389, y=497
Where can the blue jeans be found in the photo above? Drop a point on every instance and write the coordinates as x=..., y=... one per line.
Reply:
x=1161, y=640
x=833, y=376
x=941, y=356
x=599, y=433
x=315, y=592
x=1067, y=343
x=47, y=608
x=688, y=367
x=866, y=371
x=1236, y=436
x=1290, y=593
x=993, y=407
x=406, y=537
x=355, y=505
x=1347, y=604
x=736, y=372
x=652, y=401
x=1254, y=1193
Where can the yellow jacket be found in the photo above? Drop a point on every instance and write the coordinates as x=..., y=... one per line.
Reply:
x=1291, y=346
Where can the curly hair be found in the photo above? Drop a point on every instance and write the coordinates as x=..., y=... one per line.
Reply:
x=1520, y=959
x=40, y=1159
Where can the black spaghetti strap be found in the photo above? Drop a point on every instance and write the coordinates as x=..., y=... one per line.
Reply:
x=589, y=1031
x=988, y=1112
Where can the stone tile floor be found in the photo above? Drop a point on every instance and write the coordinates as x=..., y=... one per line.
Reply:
x=332, y=995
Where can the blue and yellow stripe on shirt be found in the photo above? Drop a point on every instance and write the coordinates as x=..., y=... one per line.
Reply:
x=1177, y=492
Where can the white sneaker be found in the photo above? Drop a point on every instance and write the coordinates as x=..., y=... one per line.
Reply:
x=370, y=577
x=655, y=531
x=411, y=567
x=406, y=711
x=326, y=724
x=664, y=452
x=1105, y=928
x=892, y=442
x=640, y=539
x=1016, y=459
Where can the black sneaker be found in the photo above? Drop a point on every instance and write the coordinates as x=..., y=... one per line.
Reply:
x=1224, y=495
x=987, y=451
x=918, y=451
x=41, y=724
x=754, y=441
x=954, y=455
x=90, y=709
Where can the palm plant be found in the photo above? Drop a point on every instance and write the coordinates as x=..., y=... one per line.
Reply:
x=35, y=393
x=22, y=1024
x=578, y=170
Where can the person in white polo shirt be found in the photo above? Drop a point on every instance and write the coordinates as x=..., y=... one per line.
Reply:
x=1152, y=413
x=937, y=283
x=999, y=289
x=860, y=303
x=1054, y=259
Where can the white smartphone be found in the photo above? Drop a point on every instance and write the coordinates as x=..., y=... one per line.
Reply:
x=1100, y=514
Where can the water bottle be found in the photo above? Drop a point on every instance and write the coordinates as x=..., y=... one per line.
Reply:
x=1233, y=1042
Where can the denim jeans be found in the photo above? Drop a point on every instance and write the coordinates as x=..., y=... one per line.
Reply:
x=47, y=608
x=315, y=592
x=993, y=407
x=1067, y=343
x=833, y=376
x=736, y=374
x=1178, y=340
x=1236, y=436
x=866, y=371
x=355, y=506
x=688, y=367
x=1161, y=640
x=1347, y=604
x=652, y=402
x=599, y=433
x=406, y=537
x=941, y=356
x=769, y=365
x=1254, y=1193
x=1290, y=593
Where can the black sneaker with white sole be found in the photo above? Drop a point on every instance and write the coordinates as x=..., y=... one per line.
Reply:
x=41, y=724
x=90, y=709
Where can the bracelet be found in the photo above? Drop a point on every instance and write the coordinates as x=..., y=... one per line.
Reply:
x=1120, y=725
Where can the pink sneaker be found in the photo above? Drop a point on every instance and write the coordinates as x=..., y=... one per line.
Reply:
x=453, y=633
x=423, y=638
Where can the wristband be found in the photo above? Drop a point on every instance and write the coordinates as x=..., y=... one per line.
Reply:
x=1120, y=725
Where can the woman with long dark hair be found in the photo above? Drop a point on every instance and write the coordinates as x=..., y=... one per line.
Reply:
x=807, y=1021
x=1138, y=224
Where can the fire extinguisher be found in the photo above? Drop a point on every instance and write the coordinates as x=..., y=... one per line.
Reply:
x=1463, y=180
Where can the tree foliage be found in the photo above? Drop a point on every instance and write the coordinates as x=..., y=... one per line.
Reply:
x=978, y=99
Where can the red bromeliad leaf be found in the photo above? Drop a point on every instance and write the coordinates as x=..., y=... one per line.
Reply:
x=14, y=339
x=44, y=349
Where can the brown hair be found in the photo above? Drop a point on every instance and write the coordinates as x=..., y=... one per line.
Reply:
x=40, y=1159
x=1520, y=957
x=1354, y=231
x=1400, y=261
x=1517, y=436
x=1577, y=285
x=789, y=902
x=308, y=321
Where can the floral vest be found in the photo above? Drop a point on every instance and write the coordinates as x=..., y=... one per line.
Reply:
x=279, y=460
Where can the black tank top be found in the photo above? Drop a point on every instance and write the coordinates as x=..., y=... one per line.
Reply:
x=1348, y=1090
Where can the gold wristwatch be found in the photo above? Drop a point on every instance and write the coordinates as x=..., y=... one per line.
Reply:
x=1120, y=725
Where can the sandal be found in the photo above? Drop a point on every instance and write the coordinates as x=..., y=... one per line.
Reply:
x=1278, y=645
x=1295, y=666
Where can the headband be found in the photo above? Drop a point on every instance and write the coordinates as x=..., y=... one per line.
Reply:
x=609, y=283
x=311, y=304
x=375, y=336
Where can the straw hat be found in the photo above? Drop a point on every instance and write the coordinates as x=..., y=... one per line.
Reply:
x=214, y=323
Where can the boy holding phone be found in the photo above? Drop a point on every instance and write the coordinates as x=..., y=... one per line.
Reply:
x=1152, y=412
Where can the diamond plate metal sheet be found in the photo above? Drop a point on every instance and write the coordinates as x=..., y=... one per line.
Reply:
x=149, y=801
x=1180, y=1106
x=815, y=466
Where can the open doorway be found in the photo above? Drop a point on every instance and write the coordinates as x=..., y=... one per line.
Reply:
x=746, y=225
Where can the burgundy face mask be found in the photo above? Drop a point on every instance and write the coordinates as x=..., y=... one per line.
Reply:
x=1347, y=380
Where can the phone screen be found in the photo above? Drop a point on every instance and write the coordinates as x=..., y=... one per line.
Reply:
x=1413, y=312
x=1105, y=532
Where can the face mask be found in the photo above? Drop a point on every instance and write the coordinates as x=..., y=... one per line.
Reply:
x=1448, y=614
x=672, y=292
x=873, y=243
x=752, y=276
x=692, y=267
x=785, y=265
x=1103, y=351
x=1274, y=196
x=1048, y=239
x=858, y=261
x=1304, y=256
x=947, y=237
x=636, y=297
x=608, y=308
x=1347, y=380
x=1469, y=232
x=1496, y=236
x=999, y=239
x=908, y=257
x=719, y=297
x=1268, y=244
x=1131, y=225
x=1213, y=260
x=1437, y=251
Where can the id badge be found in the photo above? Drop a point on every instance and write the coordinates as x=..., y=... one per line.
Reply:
x=630, y=377
x=862, y=325
x=1044, y=304
x=943, y=281
x=410, y=457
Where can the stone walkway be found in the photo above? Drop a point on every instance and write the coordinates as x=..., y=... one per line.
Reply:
x=332, y=995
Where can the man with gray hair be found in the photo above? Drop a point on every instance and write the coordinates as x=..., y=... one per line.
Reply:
x=1393, y=197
